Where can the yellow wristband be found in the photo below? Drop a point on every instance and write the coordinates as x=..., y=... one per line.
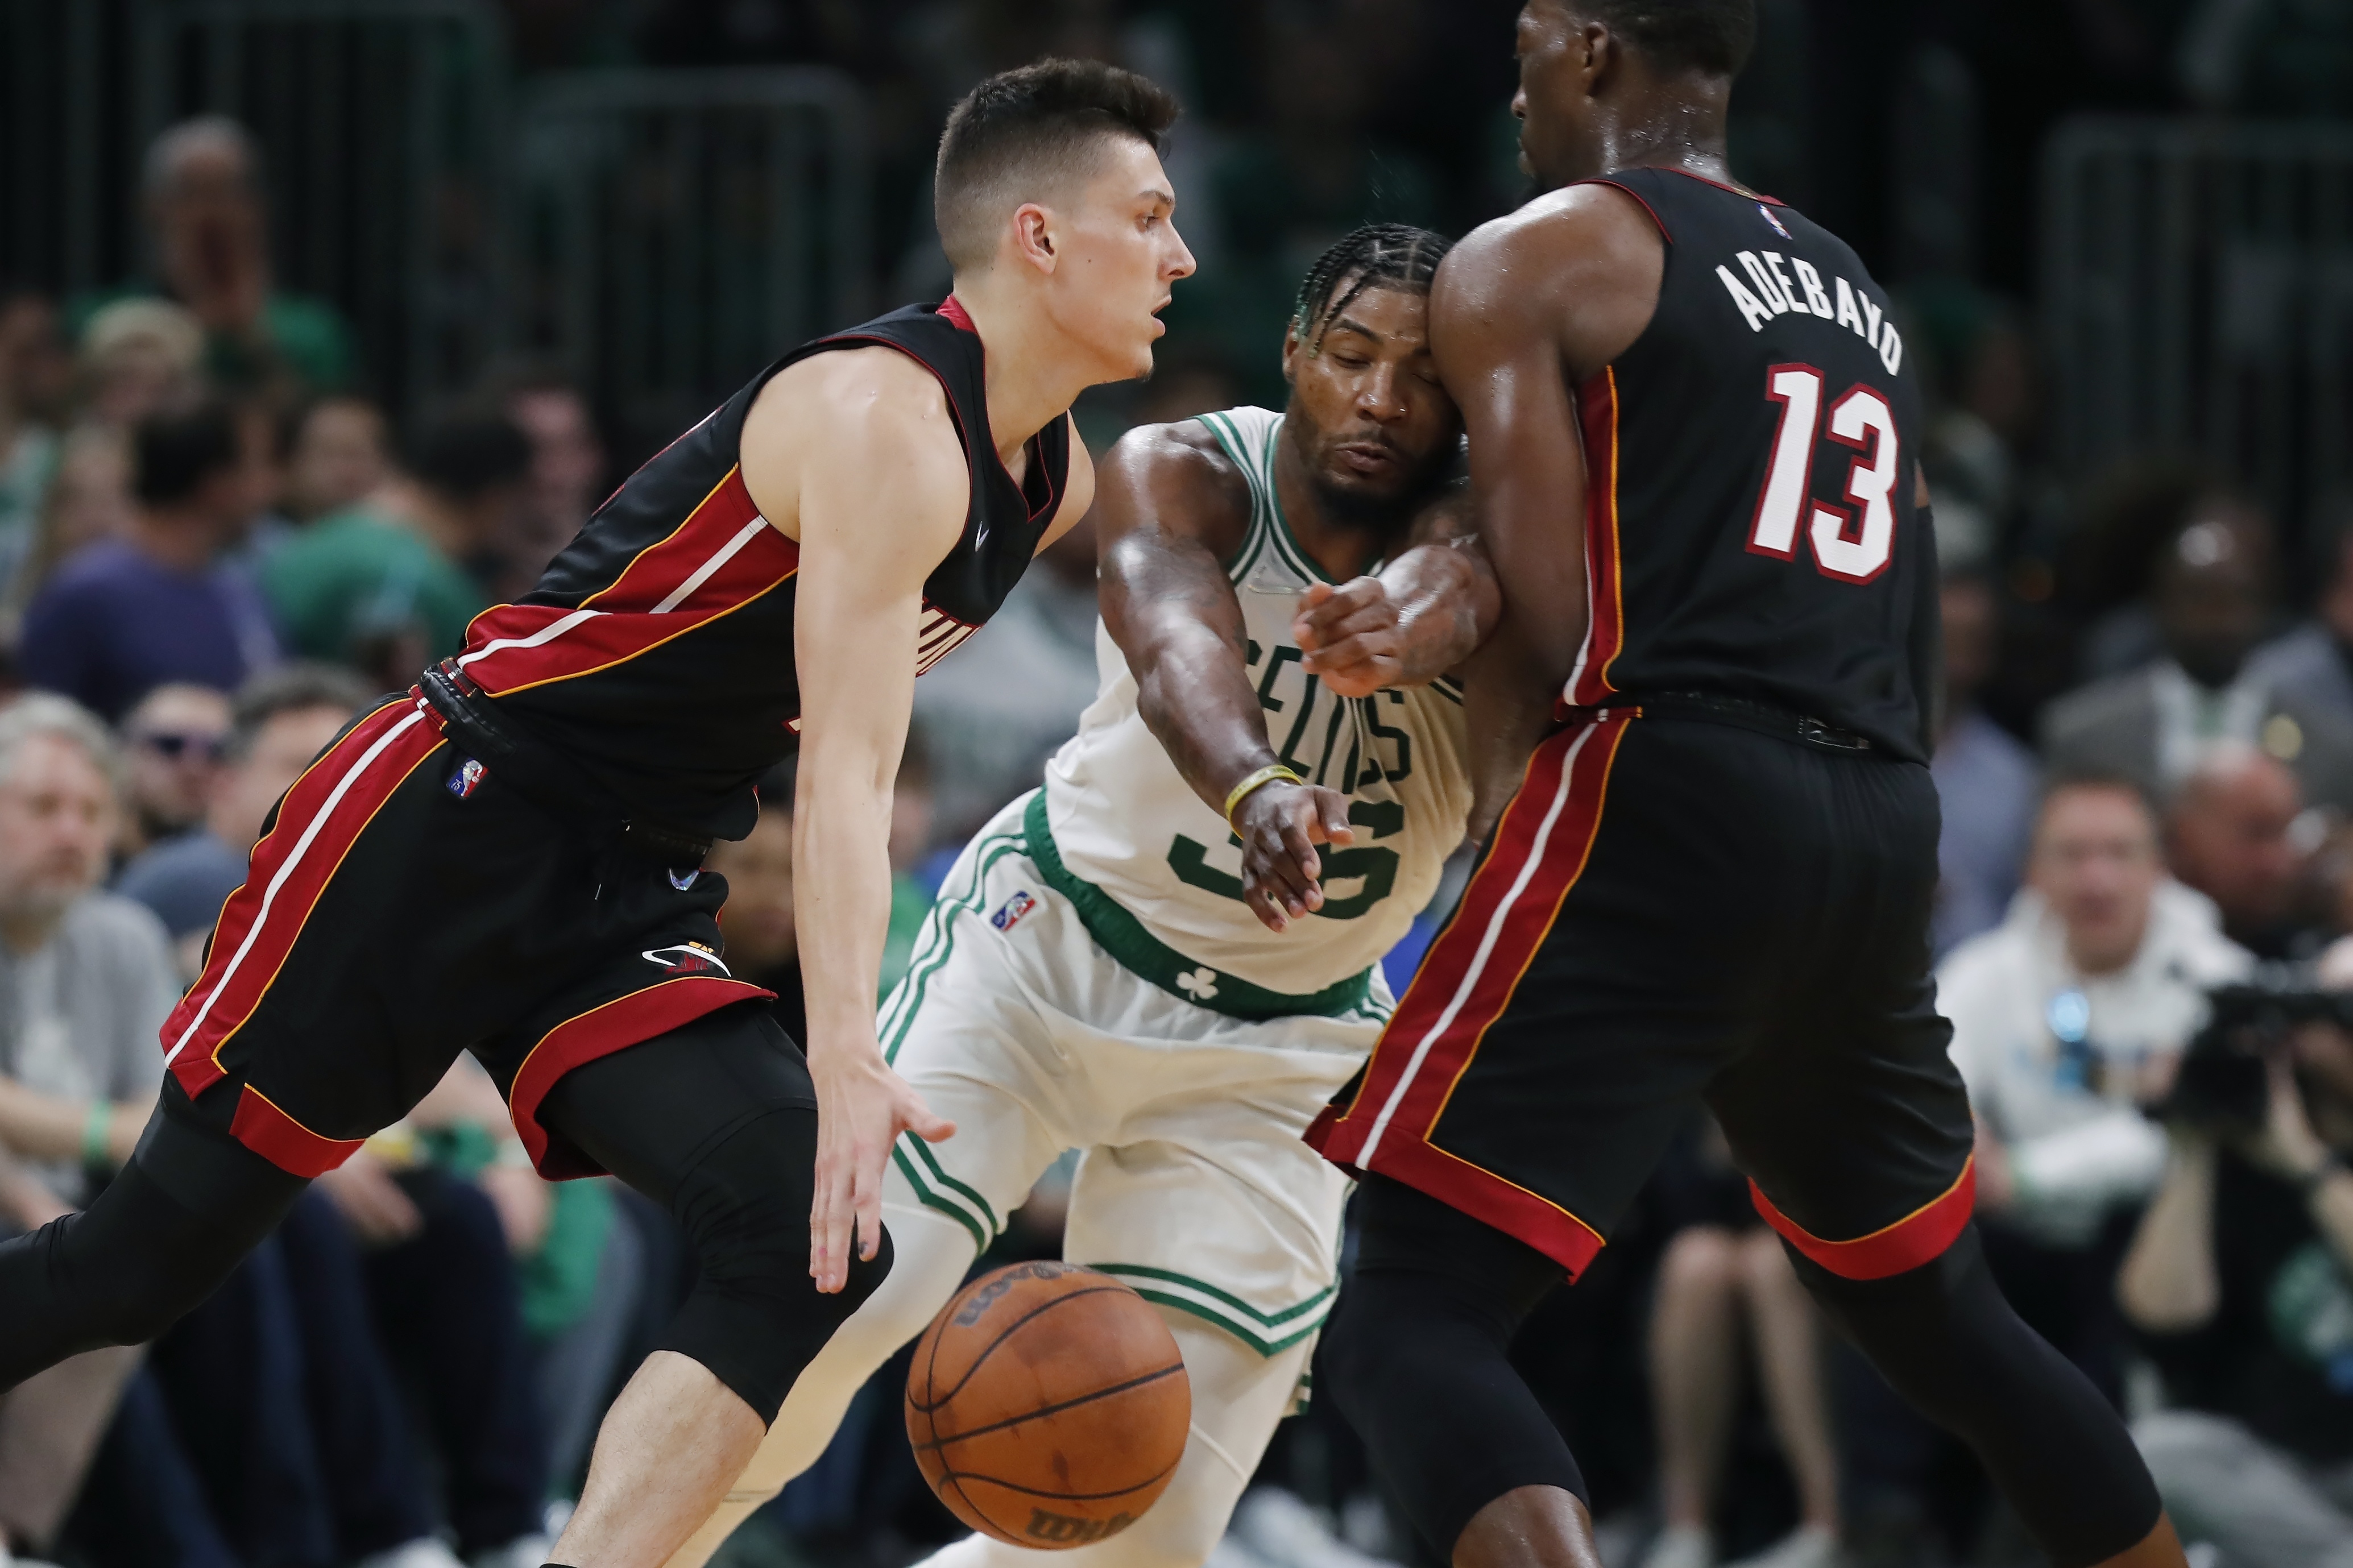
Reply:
x=1265, y=776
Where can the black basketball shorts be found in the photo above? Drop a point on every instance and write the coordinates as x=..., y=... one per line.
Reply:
x=1676, y=909
x=405, y=905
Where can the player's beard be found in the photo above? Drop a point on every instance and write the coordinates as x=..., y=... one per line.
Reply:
x=1383, y=513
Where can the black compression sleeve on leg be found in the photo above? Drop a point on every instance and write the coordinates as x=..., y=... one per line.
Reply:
x=1947, y=1341
x=157, y=1241
x=1417, y=1357
x=713, y=1122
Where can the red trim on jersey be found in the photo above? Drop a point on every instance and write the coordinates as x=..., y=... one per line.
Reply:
x=1465, y=984
x=1920, y=1236
x=1616, y=185
x=1605, y=631
x=627, y=1020
x=723, y=556
x=285, y=1143
x=952, y=313
x=319, y=819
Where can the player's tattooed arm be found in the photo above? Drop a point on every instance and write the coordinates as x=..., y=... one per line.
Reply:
x=1419, y=618
x=1169, y=509
x=859, y=460
x=1523, y=311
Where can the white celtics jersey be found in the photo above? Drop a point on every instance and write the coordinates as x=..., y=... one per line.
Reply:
x=1123, y=820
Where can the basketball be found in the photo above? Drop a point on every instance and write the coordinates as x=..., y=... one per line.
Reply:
x=1047, y=1406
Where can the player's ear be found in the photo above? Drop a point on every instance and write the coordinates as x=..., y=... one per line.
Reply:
x=1597, y=55
x=1033, y=236
x=1291, y=351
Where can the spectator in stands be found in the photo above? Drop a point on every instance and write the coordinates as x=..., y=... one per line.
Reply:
x=89, y=499
x=205, y=210
x=389, y=585
x=138, y=355
x=173, y=740
x=1985, y=778
x=2312, y=667
x=2152, y=724
x=2232, y=832
x=337, y=454
x=125, y=616
x=992, y=718
x=29, y=443
x=763, y=943
x=567, y=477
x=1723, y=1280
x=281, y=721
x=2240, y=1282
x=2067, y=1020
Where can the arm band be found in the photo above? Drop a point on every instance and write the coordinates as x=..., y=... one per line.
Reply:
x=94, y=1130
x=1265, y=776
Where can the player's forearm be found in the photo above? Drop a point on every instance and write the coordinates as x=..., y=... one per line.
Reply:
x=1193, y=690
x=1447, y=601
x=2168, y=1283
x=39, y=1126
x=841, y=901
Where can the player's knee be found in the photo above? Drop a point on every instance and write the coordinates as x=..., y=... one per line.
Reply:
x=1762, y=1267
x=1704, y=1260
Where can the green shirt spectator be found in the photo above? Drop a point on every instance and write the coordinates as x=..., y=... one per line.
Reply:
x=355, y=586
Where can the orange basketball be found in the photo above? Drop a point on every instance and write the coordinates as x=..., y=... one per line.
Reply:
x=1047, y=1406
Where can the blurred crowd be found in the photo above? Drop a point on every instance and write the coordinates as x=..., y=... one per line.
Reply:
x=215, y=549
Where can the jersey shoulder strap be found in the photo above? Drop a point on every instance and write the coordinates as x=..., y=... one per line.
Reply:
x=1247, y=434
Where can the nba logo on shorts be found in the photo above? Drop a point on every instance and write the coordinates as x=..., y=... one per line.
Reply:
x=1010, y=916
x=469, y=774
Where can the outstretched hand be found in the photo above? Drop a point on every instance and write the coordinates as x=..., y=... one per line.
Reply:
x=1352, y=635
x=861, y=1108
x=1280, y=825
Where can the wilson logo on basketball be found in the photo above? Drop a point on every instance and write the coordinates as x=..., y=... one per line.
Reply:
x=1061, y=1529
x=1047, y=1406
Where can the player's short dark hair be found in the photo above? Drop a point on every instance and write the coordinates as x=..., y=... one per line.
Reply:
x=1712, y=37
x=1385, y=254
x=469, y=450
x=175, y=448
x=297, y=687
x=1024, y=127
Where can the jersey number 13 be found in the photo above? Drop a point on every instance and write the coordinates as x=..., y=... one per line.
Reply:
x=1852, y=543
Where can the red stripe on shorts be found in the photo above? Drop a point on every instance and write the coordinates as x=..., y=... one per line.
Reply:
x=285, y=1143
x=1464, y=986
x=1920, y=1236
x=627, y=1020
x=319, y=819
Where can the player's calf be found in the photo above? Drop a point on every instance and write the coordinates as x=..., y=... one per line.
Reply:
x=1947, y=1341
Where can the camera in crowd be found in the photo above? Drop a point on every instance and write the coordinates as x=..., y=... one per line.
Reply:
x=2223, y=1085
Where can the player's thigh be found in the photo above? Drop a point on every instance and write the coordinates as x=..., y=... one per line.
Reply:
x=970, y=1041
x=1849, y=1115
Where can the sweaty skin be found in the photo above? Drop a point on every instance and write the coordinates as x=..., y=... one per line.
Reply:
x=1174, y=507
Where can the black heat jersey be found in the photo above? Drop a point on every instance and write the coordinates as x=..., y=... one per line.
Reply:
x=1750, y=525
x=658, y=649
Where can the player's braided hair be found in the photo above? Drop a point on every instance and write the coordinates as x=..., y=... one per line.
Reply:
x=1383, y=253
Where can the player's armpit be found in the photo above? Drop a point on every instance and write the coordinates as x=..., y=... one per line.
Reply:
x=881, y=496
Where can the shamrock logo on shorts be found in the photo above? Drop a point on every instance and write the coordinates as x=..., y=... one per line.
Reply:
x=1200, y=984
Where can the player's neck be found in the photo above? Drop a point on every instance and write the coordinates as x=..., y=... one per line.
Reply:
x=1680, y=127
x=1032, y=372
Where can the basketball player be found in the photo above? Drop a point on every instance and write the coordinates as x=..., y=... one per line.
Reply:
x=506, y=859
x=1713, y=880
x=1275, y=749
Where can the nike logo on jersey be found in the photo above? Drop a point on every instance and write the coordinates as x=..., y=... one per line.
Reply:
x=1778, y=293
x=693, y=958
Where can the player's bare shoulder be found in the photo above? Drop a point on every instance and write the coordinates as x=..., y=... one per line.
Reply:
x=1173, y=479
x=869, y=417
x=1581, y=266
